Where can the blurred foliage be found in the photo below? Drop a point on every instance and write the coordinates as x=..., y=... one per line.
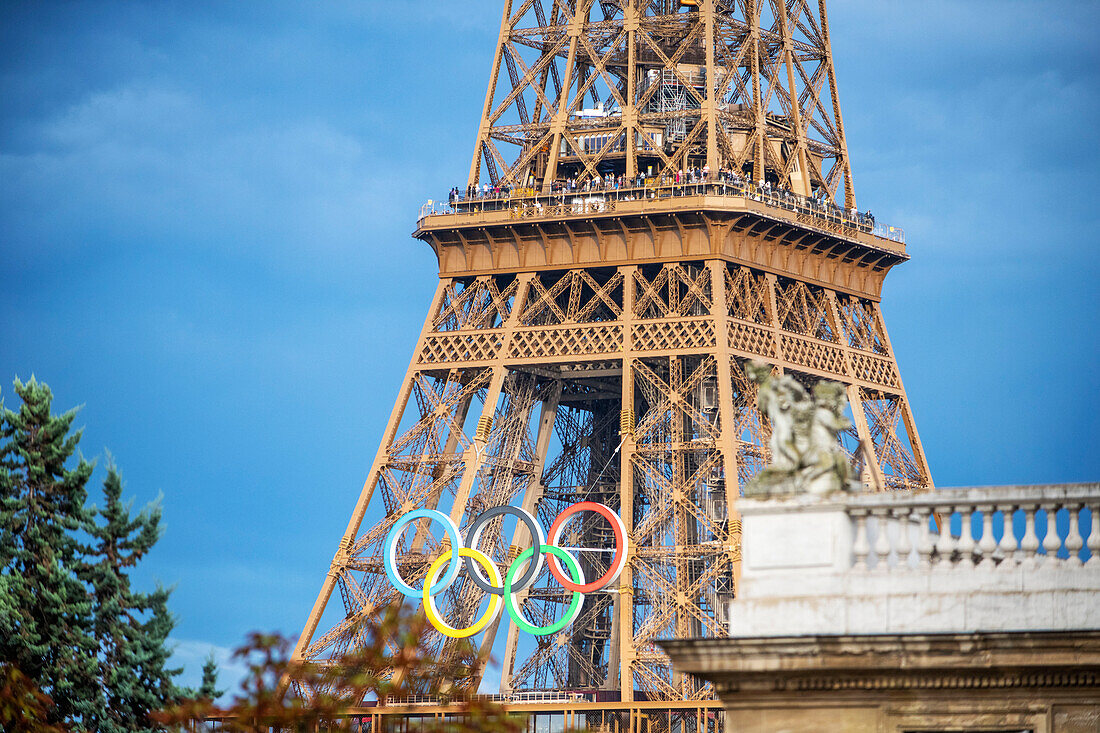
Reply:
x=391, y=660
x=23, y=707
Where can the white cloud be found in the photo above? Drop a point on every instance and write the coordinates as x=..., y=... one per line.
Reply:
x=128, y=113
x=151, y=169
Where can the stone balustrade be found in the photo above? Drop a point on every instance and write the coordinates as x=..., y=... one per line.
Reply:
x=988, y=528
x=1007, y=558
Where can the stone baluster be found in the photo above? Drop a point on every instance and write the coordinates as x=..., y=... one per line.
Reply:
x=882, y=539
x=1094, y=535
x=860, y=547
x=1029, y=543
x=1052, y=542
x=1006, y=548
x=905, y=545
x=924, y=537
x=987, y=544
x=1074, y=541
x=945, y=545
x=966, y=538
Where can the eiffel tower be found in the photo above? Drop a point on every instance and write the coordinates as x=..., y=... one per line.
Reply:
x=659, y=191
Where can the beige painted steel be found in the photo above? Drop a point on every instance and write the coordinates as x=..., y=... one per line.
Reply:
x=789, y=349
x=729, y=443
x=626, y=651
x=521, y=534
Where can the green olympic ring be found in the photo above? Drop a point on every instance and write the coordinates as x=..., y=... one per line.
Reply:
x=510, y=597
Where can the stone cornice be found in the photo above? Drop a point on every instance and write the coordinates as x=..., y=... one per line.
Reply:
x=894, y=661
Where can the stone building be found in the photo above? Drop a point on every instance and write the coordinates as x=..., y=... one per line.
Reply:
x=856, y=614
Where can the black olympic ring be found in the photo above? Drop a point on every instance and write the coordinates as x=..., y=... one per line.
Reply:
x=537, y=541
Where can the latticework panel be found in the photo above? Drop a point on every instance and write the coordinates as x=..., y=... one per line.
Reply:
x=744, y=337
x=669, y=335
x=875, y=370
x=477, y=346
x=565, y=342
x=673, y=290
x=814, y=354
x=576, y=296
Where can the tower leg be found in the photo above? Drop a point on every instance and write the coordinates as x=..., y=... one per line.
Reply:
x=867, y=444
x=626, y=495
x=727, y=417
x=340, y=560
x=533, y=495
x=907, y=411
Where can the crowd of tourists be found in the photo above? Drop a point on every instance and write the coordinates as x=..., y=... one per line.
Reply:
x=729, y=180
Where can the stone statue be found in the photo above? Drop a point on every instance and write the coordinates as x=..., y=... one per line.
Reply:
x=806, y=453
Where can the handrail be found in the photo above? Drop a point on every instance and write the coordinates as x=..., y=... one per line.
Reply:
x=534, y=696
x=524, y=203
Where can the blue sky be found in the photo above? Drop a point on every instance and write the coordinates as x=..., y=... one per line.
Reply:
x=204, y=239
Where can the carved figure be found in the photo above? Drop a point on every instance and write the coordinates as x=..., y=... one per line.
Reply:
x=806, y=457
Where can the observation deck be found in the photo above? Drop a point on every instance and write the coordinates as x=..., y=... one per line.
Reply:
x=525, y=231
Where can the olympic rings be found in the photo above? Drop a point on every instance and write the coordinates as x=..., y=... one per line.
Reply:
x=487, y=577
x=491, y=612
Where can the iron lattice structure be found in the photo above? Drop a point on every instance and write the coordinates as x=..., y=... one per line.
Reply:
x=747, y=85
x=593, y=346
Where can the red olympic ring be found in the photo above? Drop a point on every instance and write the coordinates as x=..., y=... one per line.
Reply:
x=617, y=561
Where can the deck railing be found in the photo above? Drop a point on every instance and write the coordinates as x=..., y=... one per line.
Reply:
x=526, y=203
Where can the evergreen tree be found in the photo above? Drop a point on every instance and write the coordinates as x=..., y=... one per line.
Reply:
x=69, y=619
x=130, y=628
x=209, y=688
x=45, y=610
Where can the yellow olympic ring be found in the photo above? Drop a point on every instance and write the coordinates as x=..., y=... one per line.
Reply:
x=495, y=601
